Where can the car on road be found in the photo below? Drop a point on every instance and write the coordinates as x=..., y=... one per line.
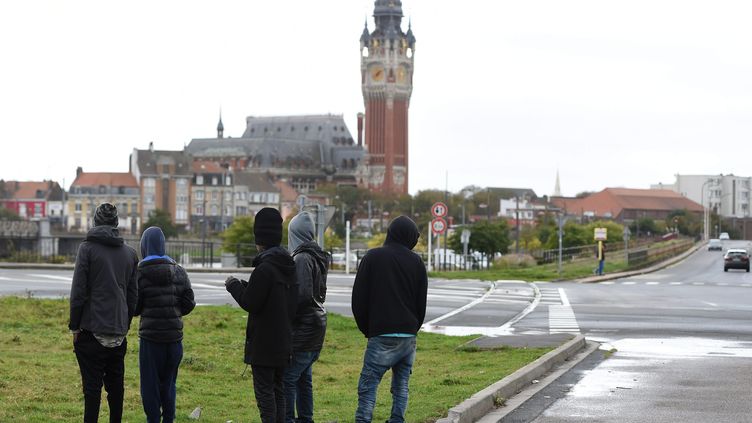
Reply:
x=736, y=258
x=715, y=244
x=724, y=236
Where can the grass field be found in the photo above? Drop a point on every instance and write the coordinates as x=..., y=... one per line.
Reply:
x=40, y=381
x=544, y=272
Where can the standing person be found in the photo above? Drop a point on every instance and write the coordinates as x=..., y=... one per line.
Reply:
x=164, y=297
x=601, y=257
x=102, y=304
x=389, y=305
x=309, y=326
x=269, y=297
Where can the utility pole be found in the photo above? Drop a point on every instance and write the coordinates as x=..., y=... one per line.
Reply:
x=561, y=235
x=517, y=224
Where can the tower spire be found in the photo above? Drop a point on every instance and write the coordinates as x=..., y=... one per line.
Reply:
x=220, y=126
x=557, y=188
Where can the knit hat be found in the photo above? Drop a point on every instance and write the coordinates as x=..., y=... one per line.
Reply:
x=267, y=227
x=106, y=214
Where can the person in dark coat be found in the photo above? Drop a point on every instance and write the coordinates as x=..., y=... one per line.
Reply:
x=164, y=297
x=102, y=304
x=309, y=326
x=270, y=298
x=389, y=305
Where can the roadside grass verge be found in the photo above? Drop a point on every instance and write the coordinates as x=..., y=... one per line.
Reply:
x=40, y=381
x=545, y=272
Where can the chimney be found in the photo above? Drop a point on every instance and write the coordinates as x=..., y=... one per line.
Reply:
x=79, y=171
x=360, y=129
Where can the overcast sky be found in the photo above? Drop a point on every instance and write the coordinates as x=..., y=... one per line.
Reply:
x=624, y=93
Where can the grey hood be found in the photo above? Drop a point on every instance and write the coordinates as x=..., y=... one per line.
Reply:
x=302, y=229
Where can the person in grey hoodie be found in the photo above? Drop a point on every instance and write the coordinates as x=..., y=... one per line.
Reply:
x=309, y=326
x=102, y=303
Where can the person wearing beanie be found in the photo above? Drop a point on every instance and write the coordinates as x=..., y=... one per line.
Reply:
x=103, y=301
x=270, y=298
x=389, y=306
x=309, y=327
x=164, y=297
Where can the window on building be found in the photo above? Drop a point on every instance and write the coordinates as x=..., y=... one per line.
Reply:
x=215, y=195
x=78, y=207
x=228, y=196
x=199, y=210
x=199, y=195
x=228, y=180
x=214, y=180
x=199, y=179
x=37, y=210
x=214, y=210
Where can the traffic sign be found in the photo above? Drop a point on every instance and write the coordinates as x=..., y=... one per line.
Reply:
x=438, y=226
x=439, y=209
x=601, y=234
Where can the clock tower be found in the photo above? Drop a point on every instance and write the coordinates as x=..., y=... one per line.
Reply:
x=387, y=56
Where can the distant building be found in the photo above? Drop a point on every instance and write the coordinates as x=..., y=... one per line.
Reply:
x=164, y=179
x=387, y=66
x=91, y=189
x=253, y=192
x=33, y=200
x=212, y=196
x=525, y=209
x=626, y=205
x=727, y=195
x=307, y=151
x=288, y=198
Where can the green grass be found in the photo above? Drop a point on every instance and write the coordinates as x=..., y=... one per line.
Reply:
x=545, y=272
x=40, y=381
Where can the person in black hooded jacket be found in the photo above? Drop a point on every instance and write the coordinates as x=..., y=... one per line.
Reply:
x=309, y=327
x=164, y=297
x=102, y=303
x=270, y=298
x=389, y=305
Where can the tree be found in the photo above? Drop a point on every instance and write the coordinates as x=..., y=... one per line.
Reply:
x=7, y=214
x=644, y=225
x=161, y=219
x=488, y=238
x=528, y=239
x=238, y=239
x=686, y=222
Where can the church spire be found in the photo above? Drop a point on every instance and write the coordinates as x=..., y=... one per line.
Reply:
x=557, y=188
x=220, y=126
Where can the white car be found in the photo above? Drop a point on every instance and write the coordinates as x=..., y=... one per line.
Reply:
x=724, y=236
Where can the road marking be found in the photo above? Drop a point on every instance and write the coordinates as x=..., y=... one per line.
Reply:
x=205, y=286
x=608, y=283
x=563, y=296
x=561, y=319
x=698, y=283
x=463, y=308
x=57, y=278
x=3, y=278
x=675, y=283
x=628, y=283
x=710, y=304
x=652, y=283
x=524, y=312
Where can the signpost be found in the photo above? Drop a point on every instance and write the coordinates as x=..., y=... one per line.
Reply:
x=439, y=209
x=465, y=238
x=438, y=224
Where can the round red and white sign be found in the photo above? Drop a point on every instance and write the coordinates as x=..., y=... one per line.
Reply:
x=439, y=209
x=438, y=226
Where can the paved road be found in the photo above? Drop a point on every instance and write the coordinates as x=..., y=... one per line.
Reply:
x=683, y=344
x=682, y=336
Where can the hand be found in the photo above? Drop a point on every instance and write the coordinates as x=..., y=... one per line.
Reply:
x=230, y=280
x=75, y=336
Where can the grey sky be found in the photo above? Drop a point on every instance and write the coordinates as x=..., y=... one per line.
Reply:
x=611, y=93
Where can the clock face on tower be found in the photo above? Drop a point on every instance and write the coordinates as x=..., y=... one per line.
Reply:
x=377, y=74
x=401, y=75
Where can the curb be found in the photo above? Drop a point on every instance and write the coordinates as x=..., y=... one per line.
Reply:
x=486, y=400
x=654, y=268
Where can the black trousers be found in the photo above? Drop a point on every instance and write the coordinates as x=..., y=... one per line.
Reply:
x=100, y=365
x=270, y=393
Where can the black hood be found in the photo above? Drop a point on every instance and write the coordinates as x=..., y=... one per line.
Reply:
x=277, y=256
x=403, y=231
x=312, y=248
x=105, y=235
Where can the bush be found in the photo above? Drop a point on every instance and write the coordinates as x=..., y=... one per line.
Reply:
x=515, y=261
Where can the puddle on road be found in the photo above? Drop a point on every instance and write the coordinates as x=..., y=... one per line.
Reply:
x=678, y=348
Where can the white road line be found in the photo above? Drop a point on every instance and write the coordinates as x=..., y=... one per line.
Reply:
x=628, y=283
x=698, y=283
x=525, y=312
x=563, y=296
x=561, y=319
x=710, y=304
x=675, y=283
x=57, y=278
x=608, y=283
x=3, y=278
x=205, y=286
x=463, y=308
x=652, y=283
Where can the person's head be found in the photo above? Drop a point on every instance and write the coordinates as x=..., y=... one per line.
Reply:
x=402, y=230
x=267, y=228
x=106, y=214
x=152, y=242
x=302, y=229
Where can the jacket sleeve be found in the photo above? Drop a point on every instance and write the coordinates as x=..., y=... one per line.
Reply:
x=304, y=272
x=252, y=295
x=360, y=292
x=322, y=283
x=186, y=301
x=132, y=289
x=140, y=297
x=79, y=288
x=420, y=301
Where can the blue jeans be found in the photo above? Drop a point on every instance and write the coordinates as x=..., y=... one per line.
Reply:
x=384, y=353
x=600, y=266
x=158, y=363
x=299, y=387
